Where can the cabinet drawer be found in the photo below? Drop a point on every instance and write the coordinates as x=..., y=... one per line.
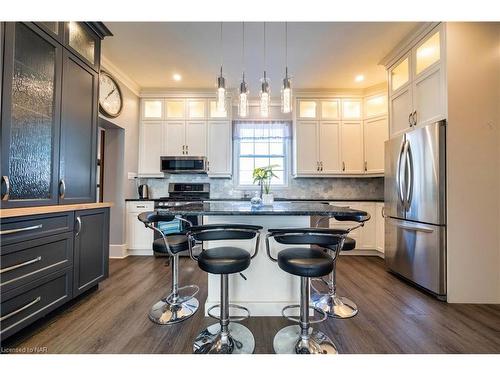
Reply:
x=24, y=305
x=20, y=229
x=27, y=261
x=140, y=206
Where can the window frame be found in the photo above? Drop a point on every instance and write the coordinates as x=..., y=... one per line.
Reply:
x=287, y=145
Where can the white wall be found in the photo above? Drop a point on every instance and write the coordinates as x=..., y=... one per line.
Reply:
x=473, y=157
x=122, y=147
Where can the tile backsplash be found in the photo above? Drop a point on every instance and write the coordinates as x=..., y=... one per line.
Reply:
x=299, y=188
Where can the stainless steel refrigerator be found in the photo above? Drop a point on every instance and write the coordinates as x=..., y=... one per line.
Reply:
x=415, y=206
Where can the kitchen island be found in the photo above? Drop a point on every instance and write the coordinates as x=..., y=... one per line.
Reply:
x=267, y=289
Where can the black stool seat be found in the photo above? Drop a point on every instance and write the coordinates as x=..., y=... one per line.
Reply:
x=176, y=242
x=305, y=262
x=224, y=260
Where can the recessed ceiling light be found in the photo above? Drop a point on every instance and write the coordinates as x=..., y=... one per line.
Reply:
x=177, y=77
x=359, y=78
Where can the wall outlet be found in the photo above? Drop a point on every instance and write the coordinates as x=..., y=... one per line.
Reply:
x=132, y=175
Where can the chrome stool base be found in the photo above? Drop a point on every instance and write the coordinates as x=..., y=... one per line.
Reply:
x=289, y=341
x=333, y=306
x=210, y=341
x=165, y=313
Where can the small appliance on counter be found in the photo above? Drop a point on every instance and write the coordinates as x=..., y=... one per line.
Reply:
x=143, y=191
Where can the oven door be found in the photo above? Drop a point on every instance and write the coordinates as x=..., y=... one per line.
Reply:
x=183, y=164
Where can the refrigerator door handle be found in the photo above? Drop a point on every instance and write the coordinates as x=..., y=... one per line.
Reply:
x=399, y=180
x=414, y=227
x=410, y=177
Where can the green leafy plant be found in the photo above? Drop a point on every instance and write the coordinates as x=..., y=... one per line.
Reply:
x=263, y=176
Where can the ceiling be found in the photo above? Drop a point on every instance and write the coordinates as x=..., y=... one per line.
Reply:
x=320, y=55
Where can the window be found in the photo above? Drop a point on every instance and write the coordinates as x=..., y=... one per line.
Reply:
x=260, y=144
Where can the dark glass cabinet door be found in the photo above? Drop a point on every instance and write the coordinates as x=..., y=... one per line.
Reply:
x=30, y=122
x=78, y=154
x=91, y=248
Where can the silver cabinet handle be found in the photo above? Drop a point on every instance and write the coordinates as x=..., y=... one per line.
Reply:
x=9, y=315
x=140, y=206
x=366, y=166
x=79, y=228
x=208, y=165
x=409, y=119
x=183, y=149
x=321, y=166
x=317, y=166
x=414, y=117
x=343, y=166
x=19, y=265
x=6, y=195
x=25, y=229
x=383, y=211
x=62, y=188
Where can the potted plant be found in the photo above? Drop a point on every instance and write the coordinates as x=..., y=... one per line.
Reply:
x=263, y=176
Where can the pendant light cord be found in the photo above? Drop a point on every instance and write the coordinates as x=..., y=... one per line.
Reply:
x=243, y=51
x=221, y=50
x=286, y=47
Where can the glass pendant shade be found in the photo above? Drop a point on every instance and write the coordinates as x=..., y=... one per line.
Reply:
x=243, y=102
x=221, y=93
x=286, y=95
x=265, y=97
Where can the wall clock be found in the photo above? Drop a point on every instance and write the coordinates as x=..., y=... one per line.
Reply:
x=110, y=96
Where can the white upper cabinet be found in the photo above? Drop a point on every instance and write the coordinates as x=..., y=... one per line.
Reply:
x=307, y=147
x=307, y=109
x=375, y=133
x=152, y=109
x=175, y=109
x=196, y=109
x=196, y=138
x=352, y=109
x=329, y=150
x=219, y=149
x=330, y=109
x=352, y=147
x=150, y=148
x=375, y=105
x=174, y=138
x=417, y=84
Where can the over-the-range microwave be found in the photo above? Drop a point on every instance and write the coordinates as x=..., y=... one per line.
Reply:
x=183, y=164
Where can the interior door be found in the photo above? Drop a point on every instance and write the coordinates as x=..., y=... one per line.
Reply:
x=329, y=146
x=393, y=192
x=425, y=191
x=78, y=153
x=196, y=138
x=174, y=138
x=307, y=147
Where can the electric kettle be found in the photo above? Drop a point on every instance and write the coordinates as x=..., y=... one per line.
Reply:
x=143, y=191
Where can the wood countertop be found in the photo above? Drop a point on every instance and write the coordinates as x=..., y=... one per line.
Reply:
x=26, y=211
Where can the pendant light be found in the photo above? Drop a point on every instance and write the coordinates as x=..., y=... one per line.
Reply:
x=286, y=89
x=221, y=82
x=244, y=93
x=265, y=90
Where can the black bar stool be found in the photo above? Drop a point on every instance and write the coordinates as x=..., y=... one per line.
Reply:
x=333, y=305
x=178, y=305
x=307, y=263
x=225, y=337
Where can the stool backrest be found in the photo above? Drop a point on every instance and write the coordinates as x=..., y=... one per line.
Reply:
x=151, y=217
x=356, y=216
x=308, y=236
x=216, y=232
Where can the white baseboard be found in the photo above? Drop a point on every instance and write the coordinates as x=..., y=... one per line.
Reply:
x=118, y=251
x=140, y=252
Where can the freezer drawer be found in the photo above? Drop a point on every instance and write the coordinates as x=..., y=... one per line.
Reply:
x=417, y=252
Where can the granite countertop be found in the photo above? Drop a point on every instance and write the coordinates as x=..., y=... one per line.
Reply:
x=278, y=208
x=275, y=199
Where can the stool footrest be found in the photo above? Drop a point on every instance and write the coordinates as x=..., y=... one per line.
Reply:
x=181, y=299
x=297, y=320
x=231, y=318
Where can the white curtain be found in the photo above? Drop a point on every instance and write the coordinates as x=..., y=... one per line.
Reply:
x=264, y=130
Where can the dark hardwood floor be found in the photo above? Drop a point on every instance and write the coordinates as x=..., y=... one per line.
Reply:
x=393, y=318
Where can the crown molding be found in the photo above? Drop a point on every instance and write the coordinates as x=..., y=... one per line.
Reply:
x=116, y=72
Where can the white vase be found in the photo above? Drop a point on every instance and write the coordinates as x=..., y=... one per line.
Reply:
x=267, y=199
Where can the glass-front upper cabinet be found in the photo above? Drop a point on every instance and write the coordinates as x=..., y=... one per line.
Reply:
x=307, y=109
x=427, y=53
x=30, y=126
x=376, y=105
x=196, y=108
x=330, y=109
x=83, y=42
x=152, y=109
x=351, y=109
x=174, y=109
x=55, y=29
x=400, y=74
x=214, y=113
